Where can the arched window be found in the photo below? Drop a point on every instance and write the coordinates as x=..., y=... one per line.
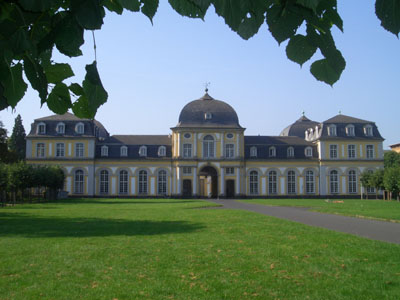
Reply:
x=272, y=182
x=162, y=151
x=123, y=151
x=162, y=182
x=254, y=183
x=40, y=150
x=41, y=128
x=332, y=130
x=80, y=128
x=143, y=182
x=60, y=128
x=208, y=147
x=143, y=151
x=291, y=182
x=352, y=182
x=79, y=182
x=272, y=151
x=104, y=151
x=123, y=182
x=253, y=151
x=310, y=182
x=290, y=152
x=350, y=130
x=104, y=182
x=368, y=130
x=334, y=181
x=308, y=152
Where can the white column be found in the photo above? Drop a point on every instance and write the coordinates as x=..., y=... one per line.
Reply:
x=237, y=181
x=179, y=181
x=173, y=181
x=87, y=185
x=237, y=144
x=133, y=185
x=264, y=186
x=222, y=191
x=222, y=145
x=301, y=185
x=342, y=154
x=152, y=186
x=282, y=185
x=195, y=144
x=50, y=148
x=194, y=181
x=113, y=185
x=69, y=149
x=361, y=150
x=179, y=144
x=344, y=185
x=208, y=186
x=69, y=189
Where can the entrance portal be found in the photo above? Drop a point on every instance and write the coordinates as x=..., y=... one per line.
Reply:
x=208, y=182
x=230, y=188
x=187, y=188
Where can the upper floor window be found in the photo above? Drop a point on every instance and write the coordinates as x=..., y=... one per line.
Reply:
x=272, y=151
x=187, y=170
x=40, y=150
x=208, y=147
x=230, y=171
x=80, y=128
x=332, y=130
x=143, y=151
x=350, y=130
x=79, y=149
x=162, y=151
x=123, y=151
x=351, y=151
x=187, y=135
x=104, y=151
x=41, y=128
x=229, y=135
x=308, y=152
x=60, y=128
x=333, y=151
x=208, y=116
x=368, y=130
x=187, y=150
x=253, y=151
x=290, y=152
x=60, y=152
x=229, y=150
x=370, y=151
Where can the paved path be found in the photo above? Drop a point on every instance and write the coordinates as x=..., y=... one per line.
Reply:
x=372, y=229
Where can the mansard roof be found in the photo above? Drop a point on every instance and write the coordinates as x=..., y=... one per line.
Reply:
x=139, y=140
x=347, y=119
x=299, y=127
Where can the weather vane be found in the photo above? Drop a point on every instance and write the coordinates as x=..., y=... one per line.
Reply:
x=340, y=112
x=206, y=85
x=303, y=113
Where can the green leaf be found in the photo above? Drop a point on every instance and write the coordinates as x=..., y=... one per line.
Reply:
x=14, y=85
x=189, y=8
x=311, y=4
x=324, y=71
x=36, y=5
x=69, y=37
x=282, y=22
x=20, y=42
x=34, y=73
x=58, y=72
x=388, y=12
x=93, y=88
x=88, y=13
x=59, y=100
x=113, y=5
x=299, y=49
x=81, y=108
x=334, y=18
x=149, y=8
x=132, y=5
x=76, y=89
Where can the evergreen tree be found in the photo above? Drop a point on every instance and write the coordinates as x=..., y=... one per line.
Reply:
x=17, y=142
x=3, y=143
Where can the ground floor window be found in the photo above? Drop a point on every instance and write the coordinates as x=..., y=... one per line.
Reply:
x=334, y=182
x=310, y=182
x=79, y=183
x=104, y=182
x=162, y=182
x=352, y=180
x=143, y=182
x=123, y=182
x=253, y=183
x=272, y=182
x=291, y=182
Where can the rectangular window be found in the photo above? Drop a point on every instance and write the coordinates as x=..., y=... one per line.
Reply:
x=40, y=150
x=187, y=170
x=229, y=150
x=370, y=151
x=41, y=129
x=351, y=151
x=230, y=171
x=187, y=150
x=79, y=149
x=333, y=151
x=60, y=152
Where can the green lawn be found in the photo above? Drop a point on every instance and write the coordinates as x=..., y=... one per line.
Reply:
x=176, y=249
x=374, y=209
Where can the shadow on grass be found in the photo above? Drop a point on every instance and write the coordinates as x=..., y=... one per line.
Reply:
x=29, y=226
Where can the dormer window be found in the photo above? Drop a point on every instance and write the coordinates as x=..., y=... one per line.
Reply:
x=208, y=116
x=332, y=130
x=368, y=130
x=104, y=151
x=80, y=128
x=253, y=152
x=272, y=151
x=41, y=128
x=143, y=151
x=124, y=151
x=308, y=152
x=350, y=130
x=162, y=151
x=60, y=128
x=290, y=152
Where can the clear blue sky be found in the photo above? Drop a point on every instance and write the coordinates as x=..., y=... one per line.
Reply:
x=152, y=71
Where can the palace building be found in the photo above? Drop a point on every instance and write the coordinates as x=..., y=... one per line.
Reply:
x=208, y=154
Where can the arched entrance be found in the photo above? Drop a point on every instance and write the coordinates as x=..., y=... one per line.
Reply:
x=208, y=182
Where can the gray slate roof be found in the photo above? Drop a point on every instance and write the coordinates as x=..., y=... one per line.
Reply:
x=299, y=127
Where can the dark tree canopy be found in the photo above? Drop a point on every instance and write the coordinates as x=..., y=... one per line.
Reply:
x=30, y=29
x=17, y=142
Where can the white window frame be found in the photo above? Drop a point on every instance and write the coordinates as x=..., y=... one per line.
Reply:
x=368, y=130
x=60, y=128
x=352, y=182
x=272, y=182
x=290, y=152
x=123, y=151
x=41, y=128
x=351, y=151
x=186, y=170
x=208, y=116
x=291, y=182
x=41, y=150
x=143, y=182
x=308, y=152
x=253, y=151
x=79, y=150
x=334, y=182
x=310, y=182
x=104, y=151
x=272, y=151
x=332, y=130
x=369, y=151
x=333, y=149
x=60, y=150
x=104, y=182
x=79, y=182
x=143, y=151
x=123, y=184
x=80, y=128
x=253, y=182
x=350, y=130
x=187, y=150
x=162, y=151
x=162, y=182
x=229, y=171
x=208, y=147
x=229, y=150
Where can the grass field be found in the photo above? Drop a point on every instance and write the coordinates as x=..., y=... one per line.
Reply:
x=177, y=249
x=374, y=209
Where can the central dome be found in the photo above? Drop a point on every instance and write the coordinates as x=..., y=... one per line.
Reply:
x=208, y=112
